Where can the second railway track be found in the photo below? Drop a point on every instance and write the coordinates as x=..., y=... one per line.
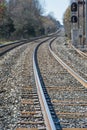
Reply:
x=70, y=56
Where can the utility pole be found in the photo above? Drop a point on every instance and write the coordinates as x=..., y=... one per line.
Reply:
x=80, y=23
x=84, y=14
x=86, y=22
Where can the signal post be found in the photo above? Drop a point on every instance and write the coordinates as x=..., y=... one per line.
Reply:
x=74, y=21
x=86, y=23
x=79, y=24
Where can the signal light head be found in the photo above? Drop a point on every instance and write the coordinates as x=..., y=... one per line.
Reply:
x=74, y=7
x=74, y=19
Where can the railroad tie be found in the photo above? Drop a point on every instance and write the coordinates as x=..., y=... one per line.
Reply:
x=26, y=129
x=74, y=128
x=31, y=122
x=26, y=101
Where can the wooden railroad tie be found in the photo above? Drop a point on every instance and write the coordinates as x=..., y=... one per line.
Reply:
x=63, y=129
x=26, y=129
x=31, y=122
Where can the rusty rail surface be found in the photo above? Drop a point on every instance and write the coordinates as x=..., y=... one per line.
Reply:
x=79, y=51
x=73, y=73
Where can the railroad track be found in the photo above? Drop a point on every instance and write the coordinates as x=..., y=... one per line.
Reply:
x=69, y=56
x=70, y=70
x=7, y=47
x=48, y=111
x=51, y=120
x=30, y=114
x=41, y=105
x=68, y=96
x=30, y=110
x=10, y=46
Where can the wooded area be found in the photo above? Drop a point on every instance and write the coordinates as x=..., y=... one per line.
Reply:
x=24, y=19
x=67, y=22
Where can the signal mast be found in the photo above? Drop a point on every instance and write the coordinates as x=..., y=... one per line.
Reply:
x=79, y=24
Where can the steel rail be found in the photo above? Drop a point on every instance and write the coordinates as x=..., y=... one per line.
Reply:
x=73, y=73
x=10, y=46
x=7, y=47
x=80, y=52
x=50, y=125
x=75, y=129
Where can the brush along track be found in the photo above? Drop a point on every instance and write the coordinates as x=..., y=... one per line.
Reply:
x=68, y=96
x=70, y=56
x=19, y=104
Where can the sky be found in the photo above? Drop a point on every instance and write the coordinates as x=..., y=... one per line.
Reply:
x=58, y=7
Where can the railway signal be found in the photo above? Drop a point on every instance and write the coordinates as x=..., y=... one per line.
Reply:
x=81, y=2
x=79, y=22
x=74, y=19
x=74, y=7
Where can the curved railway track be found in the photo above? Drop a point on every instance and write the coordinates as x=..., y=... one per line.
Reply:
x=73, y=73
x=10, y=46
x=30, y=114
x=70, y=57
x=68, y=96
x=51, y=120
x=57, y=101
x=21, y=98
x=82, y=54
x=7, y=47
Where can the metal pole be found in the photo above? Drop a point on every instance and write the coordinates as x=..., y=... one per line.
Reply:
x=78, y=17
x=83, y=23
x=86, y=20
